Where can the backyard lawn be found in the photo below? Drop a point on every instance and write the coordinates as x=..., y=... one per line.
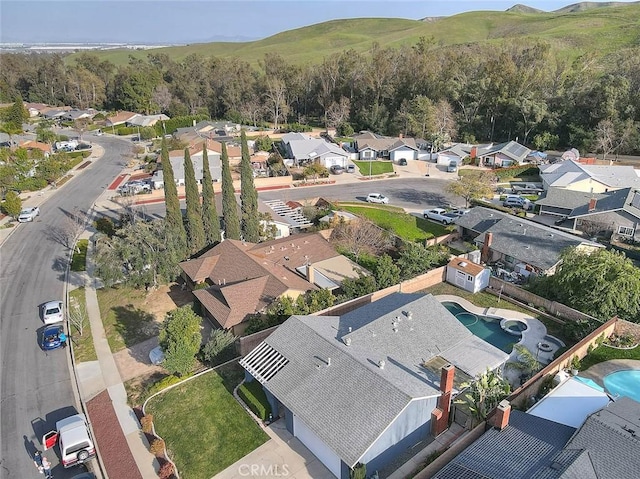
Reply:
x=125, y=322
x=374, y=167
x=406, y=226
x=83, y=348
x=204, y=427
x=487, y=300
x=604, y=353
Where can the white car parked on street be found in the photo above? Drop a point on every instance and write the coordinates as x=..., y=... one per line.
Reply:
x=28, y=214
x=52, y=312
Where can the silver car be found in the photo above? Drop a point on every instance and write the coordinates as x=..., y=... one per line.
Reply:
x=377, y=198
x=52, y=312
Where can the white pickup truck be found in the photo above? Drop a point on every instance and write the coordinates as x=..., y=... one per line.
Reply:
x=439, y=214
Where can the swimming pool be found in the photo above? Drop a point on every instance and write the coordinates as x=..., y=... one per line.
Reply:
x=624, y=383
x=484, y=327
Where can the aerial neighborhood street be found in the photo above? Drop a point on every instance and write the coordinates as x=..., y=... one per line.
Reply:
x=370, y=248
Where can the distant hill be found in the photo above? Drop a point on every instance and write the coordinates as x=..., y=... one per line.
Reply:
x=600, y=31
x=519, y=8
x=582, y=6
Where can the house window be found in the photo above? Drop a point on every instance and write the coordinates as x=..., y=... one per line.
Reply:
x=367, y=154
x=469, y=277
x=625, y=230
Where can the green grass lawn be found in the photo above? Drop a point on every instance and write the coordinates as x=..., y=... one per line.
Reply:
x=603, y=353
x=125, y=322
x=79, y=260
x=204, y=427
x=377, y=167
x=486, y=300
x=83, y=348
x=408, y=227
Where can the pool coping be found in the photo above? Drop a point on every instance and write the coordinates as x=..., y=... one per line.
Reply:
x=534, y=334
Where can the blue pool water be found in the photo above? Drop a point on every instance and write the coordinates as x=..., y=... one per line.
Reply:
x=484, y=327
x=624, y=383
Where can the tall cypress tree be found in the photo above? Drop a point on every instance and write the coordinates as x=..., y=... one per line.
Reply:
x=229, y=205
x=248, y=196
x=210, y=218
x=195, y=228
x=173, y=217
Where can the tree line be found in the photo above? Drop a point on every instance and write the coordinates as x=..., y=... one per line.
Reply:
x=523, y=90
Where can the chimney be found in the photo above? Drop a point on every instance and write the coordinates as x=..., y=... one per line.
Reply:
x=592, y=204
x=440, y=415
x=488, y=238
x=311, y=277
x=501, y=417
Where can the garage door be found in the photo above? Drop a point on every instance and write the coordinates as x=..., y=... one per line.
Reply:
x=316, y=446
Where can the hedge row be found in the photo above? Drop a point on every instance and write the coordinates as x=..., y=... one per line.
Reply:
x=254, y=397
x=516, y=171
x=170, y=126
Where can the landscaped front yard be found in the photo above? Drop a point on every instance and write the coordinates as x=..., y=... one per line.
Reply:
x=406, y=226
x=205, y=429
x=125, y=321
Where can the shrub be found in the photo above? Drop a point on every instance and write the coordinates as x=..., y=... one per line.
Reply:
x=166, y=471
x=517, y=171
x=157, y=447
x=219, y=347
x=125, y=130
x=147, y=423
x=165, y=383
x=295, y=128
x=254, y=397
x=105, y=225
x=31, y=184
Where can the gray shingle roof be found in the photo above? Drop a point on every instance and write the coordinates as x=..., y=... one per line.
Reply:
x=627, y=199
x=526, y=445
x=350, y=402
x=612, y=438
x=512, y=149
x=566, y=172
x=530, y=242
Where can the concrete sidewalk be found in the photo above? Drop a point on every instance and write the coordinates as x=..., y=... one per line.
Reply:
x=96, y=376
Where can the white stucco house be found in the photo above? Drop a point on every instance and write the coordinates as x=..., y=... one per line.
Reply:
x=304, y=149
x=177, y=163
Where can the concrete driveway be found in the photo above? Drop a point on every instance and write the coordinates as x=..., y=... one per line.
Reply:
x=282, y=456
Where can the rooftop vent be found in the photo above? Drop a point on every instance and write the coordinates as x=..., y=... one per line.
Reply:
x=347, y=341
x=409, y=314
x=381, y=364
x=350, y=329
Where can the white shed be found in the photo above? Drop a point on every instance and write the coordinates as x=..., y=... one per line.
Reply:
x=467, y=275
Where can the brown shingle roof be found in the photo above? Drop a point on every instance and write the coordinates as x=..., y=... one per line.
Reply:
x=237, y=271
x=466, y=265
x=120, y=117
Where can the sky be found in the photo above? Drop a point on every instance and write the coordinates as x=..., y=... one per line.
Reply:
x=193, y=21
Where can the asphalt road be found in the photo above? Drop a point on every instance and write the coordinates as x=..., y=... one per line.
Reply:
x=36, y=387
x=412, y=194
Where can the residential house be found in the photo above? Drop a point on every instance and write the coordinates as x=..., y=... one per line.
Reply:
x=367, y=386
x=242, y=278
x=272, y=220
x=213, y=130
x=517, y=244
x=371, y=146
x=288, y=214
x=146, y=120
x=455, y=153
x=74, y=115
x=615, y=212
x=177, y=162
x=503, y=155
x=35, y=109
x=573, y=175
x=467, y=275
x=304, y=149
x=524, y=446
x=120, y=118
x=55, y=113
x=36, y=145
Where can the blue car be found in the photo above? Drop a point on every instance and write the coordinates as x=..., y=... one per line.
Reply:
x=53, y=337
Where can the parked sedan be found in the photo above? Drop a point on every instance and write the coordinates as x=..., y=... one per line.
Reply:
x=52, y=312
x=377, y=198
x=53, y=337
x=28, y=214
x=337, y=169
x=439, y=214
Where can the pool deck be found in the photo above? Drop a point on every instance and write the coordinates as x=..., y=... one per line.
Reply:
x=535, y=333
x=597, y=372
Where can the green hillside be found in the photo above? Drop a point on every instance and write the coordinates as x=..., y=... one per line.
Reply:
x=602, y=30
